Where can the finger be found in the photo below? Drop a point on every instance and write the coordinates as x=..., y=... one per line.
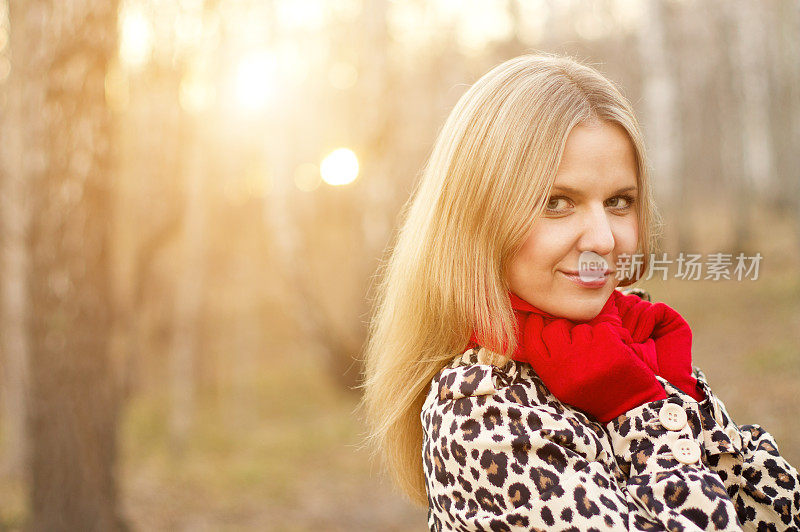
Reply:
x=626, y=302
x=582, y=334
x=669, y=320
x=641, y=321
x=624, y=334
x=608, y=334
x=634, y=309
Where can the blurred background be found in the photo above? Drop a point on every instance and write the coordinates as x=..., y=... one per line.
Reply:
x=196, y=195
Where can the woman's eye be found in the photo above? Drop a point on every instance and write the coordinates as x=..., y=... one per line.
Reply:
x=553, y=203
x=621, y=202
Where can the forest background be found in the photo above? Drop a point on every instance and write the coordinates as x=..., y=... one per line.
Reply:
x=195, y=197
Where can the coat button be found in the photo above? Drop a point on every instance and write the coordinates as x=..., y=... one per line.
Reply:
x=672, y=416
x=686, y=451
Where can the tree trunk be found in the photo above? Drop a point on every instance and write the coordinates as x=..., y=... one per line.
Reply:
x=189, y=296
x=14, y=216
x=661, y=122
x=749, y=50
x=60, y=55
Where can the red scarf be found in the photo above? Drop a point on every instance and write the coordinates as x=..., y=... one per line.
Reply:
x=649, y=348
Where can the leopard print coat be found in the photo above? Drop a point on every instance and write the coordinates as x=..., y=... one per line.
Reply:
x=501, y=453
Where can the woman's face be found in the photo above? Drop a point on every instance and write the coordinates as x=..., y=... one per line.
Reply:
x=590, y=209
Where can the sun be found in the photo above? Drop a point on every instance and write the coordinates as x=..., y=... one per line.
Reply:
x=340, y=167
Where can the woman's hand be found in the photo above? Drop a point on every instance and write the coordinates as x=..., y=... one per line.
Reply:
x=670, y=334
x=589, y=366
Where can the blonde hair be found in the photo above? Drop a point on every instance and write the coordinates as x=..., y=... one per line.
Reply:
x=487, y=180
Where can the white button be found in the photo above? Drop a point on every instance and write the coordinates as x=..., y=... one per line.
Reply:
x=672, y=416
x=686, y=451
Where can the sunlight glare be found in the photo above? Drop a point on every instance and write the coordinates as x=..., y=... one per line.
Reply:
x=303, y=15
x=340, y=167
x=136, y=38
x=481, y=23
x=255, y=80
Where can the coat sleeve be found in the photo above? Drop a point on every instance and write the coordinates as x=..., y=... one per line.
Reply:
x=495, y=461
x=765, y=488
x=692, y=468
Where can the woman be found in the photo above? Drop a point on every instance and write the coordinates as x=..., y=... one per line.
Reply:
x=511, y=387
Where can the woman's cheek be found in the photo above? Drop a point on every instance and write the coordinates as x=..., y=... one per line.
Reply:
x=533, y=257
x=545, y=246
x=627, y=236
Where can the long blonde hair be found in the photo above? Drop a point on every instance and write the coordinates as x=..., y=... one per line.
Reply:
x=487, y=180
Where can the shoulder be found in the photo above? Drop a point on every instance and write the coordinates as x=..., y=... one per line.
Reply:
x=479, y=372
x=478, y=387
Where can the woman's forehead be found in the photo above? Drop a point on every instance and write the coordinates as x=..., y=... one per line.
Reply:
x=597, y=155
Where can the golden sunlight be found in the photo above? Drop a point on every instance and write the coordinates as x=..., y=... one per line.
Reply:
x=196, y=95
x=136, y=37
x=256, y=80
x=340, y=167
x=197, y=91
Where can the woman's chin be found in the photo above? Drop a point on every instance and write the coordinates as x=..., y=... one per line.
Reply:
x=584, y=309
x=583, y=317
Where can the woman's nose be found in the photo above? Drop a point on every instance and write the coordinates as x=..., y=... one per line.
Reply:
x=597, y=234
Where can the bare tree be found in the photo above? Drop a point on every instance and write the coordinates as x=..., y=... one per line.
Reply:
x=750, y=49
x=14, y=215
x=189, y=289
x=661, y=122
x=60, y=58
x=785, y=106
x=757, y=173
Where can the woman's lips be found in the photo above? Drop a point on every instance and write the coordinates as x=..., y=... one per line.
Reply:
x=598, y=283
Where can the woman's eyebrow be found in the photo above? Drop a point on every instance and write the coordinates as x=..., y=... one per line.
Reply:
x=576, y=192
